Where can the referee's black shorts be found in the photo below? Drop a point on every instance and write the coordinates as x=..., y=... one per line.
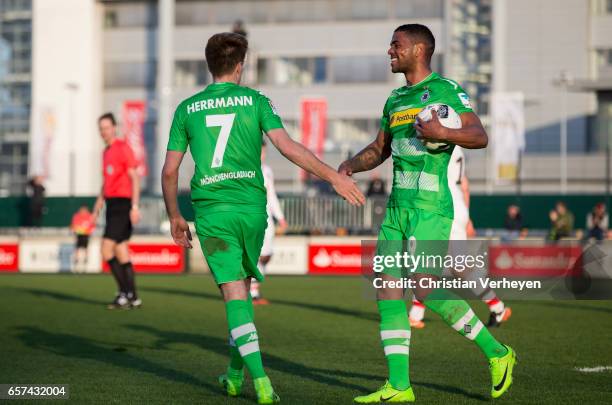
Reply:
x=118, y=224
x=82, y=241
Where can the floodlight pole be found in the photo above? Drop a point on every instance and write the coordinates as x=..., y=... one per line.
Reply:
x=564, y=139
x=72, y=88
x=564, y=81
x=165, y=68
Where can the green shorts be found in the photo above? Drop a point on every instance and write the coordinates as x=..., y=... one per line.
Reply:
x=418, y=232
x=231, y=243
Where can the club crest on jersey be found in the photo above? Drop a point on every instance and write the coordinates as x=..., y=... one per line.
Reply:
x=425, y=96
x=109, y=169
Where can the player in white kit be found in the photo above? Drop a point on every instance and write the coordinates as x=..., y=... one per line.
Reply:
x=459, y=187
x=275, y=212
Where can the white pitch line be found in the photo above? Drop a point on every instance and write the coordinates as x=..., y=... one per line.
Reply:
x=594, y=369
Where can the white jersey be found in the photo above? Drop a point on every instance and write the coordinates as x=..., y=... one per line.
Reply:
x=273, y=207
x=456, y=172
x=273, y=210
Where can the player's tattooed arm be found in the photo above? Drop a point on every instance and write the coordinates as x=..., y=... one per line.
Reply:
x=170, y=174
x=471, y=135
x=370, y=157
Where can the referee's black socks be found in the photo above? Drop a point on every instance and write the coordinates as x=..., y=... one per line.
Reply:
x=119, y=275
x=128, y=272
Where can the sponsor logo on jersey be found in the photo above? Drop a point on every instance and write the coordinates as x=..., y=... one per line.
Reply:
x=465, y=100
x=404, y=117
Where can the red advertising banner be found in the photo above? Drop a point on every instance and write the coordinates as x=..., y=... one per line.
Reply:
x=155, y=258
x=133, y=118
x=9, y=257
x=334, y=259
x=534, y=261
x=314, y=125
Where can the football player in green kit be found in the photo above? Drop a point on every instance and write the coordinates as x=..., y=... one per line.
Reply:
x=420, y=208
x=222, y=126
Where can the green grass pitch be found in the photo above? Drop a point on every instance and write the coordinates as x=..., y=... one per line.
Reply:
x=319, y=340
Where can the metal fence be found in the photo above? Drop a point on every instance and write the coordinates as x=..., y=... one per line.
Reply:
x=327, y=214
x=304, y=215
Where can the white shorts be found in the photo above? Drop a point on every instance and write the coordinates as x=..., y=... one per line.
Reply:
x=268, y=243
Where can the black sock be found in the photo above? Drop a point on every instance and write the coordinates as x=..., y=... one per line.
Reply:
x=128, y=271
x=115, y=267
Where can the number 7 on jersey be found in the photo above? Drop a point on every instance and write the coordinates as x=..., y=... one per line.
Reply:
x=225, y=121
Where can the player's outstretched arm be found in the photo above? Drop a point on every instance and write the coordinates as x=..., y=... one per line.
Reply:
x=301, y=156
x=170, y=173
x=370, y=157
x=471, y=135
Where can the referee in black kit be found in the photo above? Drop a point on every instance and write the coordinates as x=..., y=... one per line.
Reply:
x=121, y=192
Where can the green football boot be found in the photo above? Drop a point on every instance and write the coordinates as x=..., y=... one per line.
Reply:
x=501, y=372
x=386, y=393
x=265, y=392
x=231, y=382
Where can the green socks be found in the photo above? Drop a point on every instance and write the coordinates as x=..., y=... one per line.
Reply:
x=458, y=314
x=244, y=336
x=236, y=362
x=395, y=337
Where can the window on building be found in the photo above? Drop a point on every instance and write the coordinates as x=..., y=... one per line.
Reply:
x=303, y=10
x=15, y=93
x=129, y=74
x=362, y=9
x=125, y=15
x=16, y=46
x=360, y=69
x=190, y=73
x=290, y=70
x=15, y=5
x=206, y=12
x=418, y=8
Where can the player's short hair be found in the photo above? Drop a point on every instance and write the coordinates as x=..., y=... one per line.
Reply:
x=419, y=33
x=108, y=116
x=224, y=51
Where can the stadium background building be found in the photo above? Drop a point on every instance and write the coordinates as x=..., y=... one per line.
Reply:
x=64, y=62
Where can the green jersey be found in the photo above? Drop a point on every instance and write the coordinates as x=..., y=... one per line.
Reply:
x=223, y=125
x=419, y=175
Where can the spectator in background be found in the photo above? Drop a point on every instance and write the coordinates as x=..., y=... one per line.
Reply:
x=37, y=201
x=514, y=219
x=376, y=187
x=513, y=223
x=83, y=224
x=562, y=222
x=597, y=222
x=238, y=28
